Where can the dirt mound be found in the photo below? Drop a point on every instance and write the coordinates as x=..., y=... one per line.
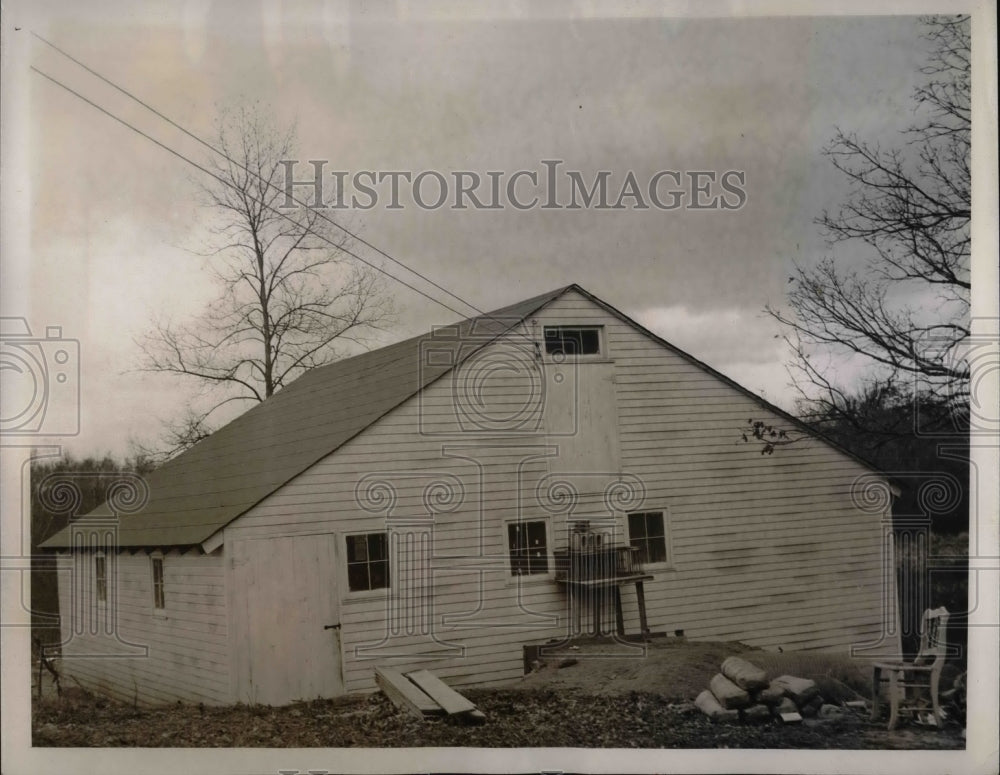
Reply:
x=679, y=669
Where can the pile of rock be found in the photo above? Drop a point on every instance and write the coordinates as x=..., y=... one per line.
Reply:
x=742, y=692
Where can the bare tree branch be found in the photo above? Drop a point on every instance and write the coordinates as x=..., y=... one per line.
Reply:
x=287, y=293
x=906, y=314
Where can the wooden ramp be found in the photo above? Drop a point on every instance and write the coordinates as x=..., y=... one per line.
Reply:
x=424, y=694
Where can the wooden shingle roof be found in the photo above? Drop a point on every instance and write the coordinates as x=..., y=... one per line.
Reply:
x=203, y=489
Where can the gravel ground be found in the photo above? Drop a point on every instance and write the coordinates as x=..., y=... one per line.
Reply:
x=599, y=700
x=515, y=718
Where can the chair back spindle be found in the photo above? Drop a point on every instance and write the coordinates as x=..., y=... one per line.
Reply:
x=933, y=637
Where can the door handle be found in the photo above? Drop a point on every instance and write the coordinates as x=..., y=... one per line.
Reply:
x=332, y=627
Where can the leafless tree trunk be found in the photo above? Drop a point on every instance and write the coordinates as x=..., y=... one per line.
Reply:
x=906, y=314
x=289, y=297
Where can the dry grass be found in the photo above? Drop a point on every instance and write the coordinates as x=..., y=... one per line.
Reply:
x=605, y=699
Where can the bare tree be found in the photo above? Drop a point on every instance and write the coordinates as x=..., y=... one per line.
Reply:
x=906, y=313
x=289, y=299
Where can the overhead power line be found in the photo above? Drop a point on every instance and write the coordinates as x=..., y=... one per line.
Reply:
x=221, y=153
x=275, y=210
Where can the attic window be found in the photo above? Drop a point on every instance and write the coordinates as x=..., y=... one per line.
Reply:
x=367, y=562
x=573, y=340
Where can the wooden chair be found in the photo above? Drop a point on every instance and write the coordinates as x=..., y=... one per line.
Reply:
x=906, y=679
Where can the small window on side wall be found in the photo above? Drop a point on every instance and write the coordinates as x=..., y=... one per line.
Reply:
x=367, y=562
x=528, y=547
x=158, y=595
x=101, y=578
x=573, y=340
x=647, y=532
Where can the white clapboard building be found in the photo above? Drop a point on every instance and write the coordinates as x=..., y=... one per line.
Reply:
x=545, y=470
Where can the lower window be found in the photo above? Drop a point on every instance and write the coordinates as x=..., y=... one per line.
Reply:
x=646, y=532
x=528, y=547
x=367, y=562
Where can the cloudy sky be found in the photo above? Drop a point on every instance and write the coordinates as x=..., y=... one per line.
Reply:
x=107, y=222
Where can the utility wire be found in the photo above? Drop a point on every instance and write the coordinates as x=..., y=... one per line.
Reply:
x=212, y=148
x=250, y=172
x=208, y=172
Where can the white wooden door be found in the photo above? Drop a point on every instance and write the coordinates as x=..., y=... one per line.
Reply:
x=284, y=597
x=581, y=418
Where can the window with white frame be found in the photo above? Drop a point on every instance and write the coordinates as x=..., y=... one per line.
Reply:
x=367, y=561
x=527, y=545
x=647, y=532
x=573, y=340
x=159, y=600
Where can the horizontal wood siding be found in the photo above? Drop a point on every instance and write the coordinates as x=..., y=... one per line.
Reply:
x=480, y=615
x=767, y=549
x=142, y=655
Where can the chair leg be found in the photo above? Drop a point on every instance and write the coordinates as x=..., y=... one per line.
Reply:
x=876, y=686
x=938, y=716
x=893, y=698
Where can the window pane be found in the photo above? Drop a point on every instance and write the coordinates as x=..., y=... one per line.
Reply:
x=657, y=550
x=538, y=561
x=100, y=571
x=636, y=527
x=158, y=596
x=378, y=546
x=357, y=548
x=379, y=574
x=563, y=341
x=357, y=577
x=515, y=540
x=568, y=340
x=654, y=524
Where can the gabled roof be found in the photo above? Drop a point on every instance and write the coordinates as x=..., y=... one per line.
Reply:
x=209, y=485
x=205, y=488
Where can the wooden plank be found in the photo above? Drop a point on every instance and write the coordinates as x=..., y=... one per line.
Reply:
x=405, y=694
x=440, y=692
